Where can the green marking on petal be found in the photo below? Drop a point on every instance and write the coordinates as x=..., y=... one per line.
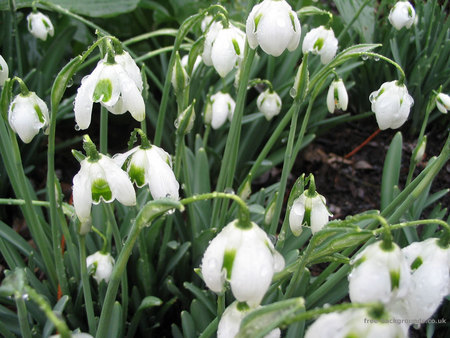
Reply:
x=410, y=13
x=236, y=47
x=45, y=23
x=257, y=21
x=103, y=91
x=291, y=16
x=319, y=44
x=100, y=189
x=228, y=259
x=39, y=113
x=352, y=335
x=379, y=93
x=242, y=306
x=262, y=101
x=417, y=262
x=336, y=95
x=1, y=68
x=359, y=261
x=395, y=279
x=137, y=175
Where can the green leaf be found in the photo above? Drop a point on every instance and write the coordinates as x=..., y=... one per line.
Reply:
x=365, y=21
x=58, y=310
x=63, y=78
x=187, y=323
x=148, y=302
x=391, y=170
x=116, y=322
x=311, y=10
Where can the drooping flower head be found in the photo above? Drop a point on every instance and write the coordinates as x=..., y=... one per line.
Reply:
x=27, y=115
x=337, y=96
x=269, y=103
x=40, y=25
x=443, y=103
x=402, y=15
x=219, y=107
x=391, y=105
x=101, y=265
x=4, y=71
x=321, y=41
x=274, y=26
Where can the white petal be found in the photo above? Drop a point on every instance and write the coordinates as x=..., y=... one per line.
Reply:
x=131, y=68
x=82, y=194
x=212, y=271
x=83, y=100
x=250, y=26
x=342, y=95
x=160, y=177
x=222, y=105
x=209, y=39
x=4, y=71
x=331, y=99
x=23, y=118
x=133, y=100
x=223, y=54
x=296, y=215
x=118, y=181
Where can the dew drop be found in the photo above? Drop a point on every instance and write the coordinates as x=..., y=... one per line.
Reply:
x=69, y=83
x=376, y=58
x=293, y=92
x=229, y=191
x=77, y=127
x=364, y=57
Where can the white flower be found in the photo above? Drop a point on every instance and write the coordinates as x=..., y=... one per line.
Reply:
x=231, y=320
x=442, y=102
x=269, y=103
x=40, y=25
x=223, y=48
x=391, y=104
x=246, y=258
x=185, y=60
x=321, y=41
x=274, y=26
x=337, y=96
x=4, y=71
x=102, y=265
x=206, y=22
x=308, y=210
x=98, y=180
x=218, y=109
x=117, y=86
x=379, y=274
x=402, y=15
x=27, y=115
x=152, y=166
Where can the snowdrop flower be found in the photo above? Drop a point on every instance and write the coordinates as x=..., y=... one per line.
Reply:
x=40, y=25
x=219, y=107
x=337, y=96
x=391, y=104
x=231, y=320
x=223, y=48
x=274, y=26
x=402, y=15
x=269, y=103
x=27, y=115
x=206, y=22
x=321, y=41
x=100, y=178
x=185, y=61
x=430, y=279
x=308, y=210
x=379, y=274
x=243, y=256
x=117, y=86
x=101, y=265
x=442, y=102
x=152, y=166
x=4, y=71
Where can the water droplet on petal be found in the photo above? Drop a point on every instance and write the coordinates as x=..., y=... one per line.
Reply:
x=77, y=127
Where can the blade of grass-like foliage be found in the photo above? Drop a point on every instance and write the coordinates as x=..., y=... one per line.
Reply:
x=58, y=310
x=391, y=170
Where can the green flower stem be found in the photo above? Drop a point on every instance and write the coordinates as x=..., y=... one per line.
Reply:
x=206, y=135
x=143, y=250
x=153, y=34
x=220, y=304
x=60, y=325
x=103, y=237
x=12, y=7
x=395, y=64
x=22, y=314
x=179, y=151
x=13, y=201
x=103, y=130
x=86, y=286
x=415, y=223
x=159, y=51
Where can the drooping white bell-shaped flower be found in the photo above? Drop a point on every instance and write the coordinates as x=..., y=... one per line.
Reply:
x=27, y=115
x=117, y=86
x=210, y=36
x=321, y=41
x=101, y=264
x=243, y=256
x=402, y=15
x=308, y=210
x=391, y=105
x=219, y=107
x=269, y=103
x=274, y=26
x=153, y=166
x=379, y=274
x=100, y=179
x=231, y=320
x=40, y=25
x=443, y=103
x=337, y=97
x=430, y=280
x=4, y=71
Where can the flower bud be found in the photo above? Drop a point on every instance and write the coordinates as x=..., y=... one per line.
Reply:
x=391, y=105
x=4, y=71
x=443, y=103
x=185, y=121
x=269, y=103
x=218, y=108
x=337, y=96
x=321, y=41
x=274, y=26
x=27, y=115
x=40, y=25
x=402, y=15
x=101, y=265
x=180, y=78
x=420, y=151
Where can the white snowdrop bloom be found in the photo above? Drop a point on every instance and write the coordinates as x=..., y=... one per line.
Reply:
x=442, y=102
x=243, y=256
x=430, y=265
x=391, y=105
x=40, y=25
x=231, y=320
x=218, y=109
x=101, y=264
x=402, y=15
x=100, y=179
x=379, y=274
x=311, y=211
x=274, y=26
x=321, y=41
x=210, y=37
x=269, y=103
x=337, y=96
x=4, y=71
x=130, y=67
x=206, y=22
x=151, y=166
x=27, y=115
x=116, y=86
